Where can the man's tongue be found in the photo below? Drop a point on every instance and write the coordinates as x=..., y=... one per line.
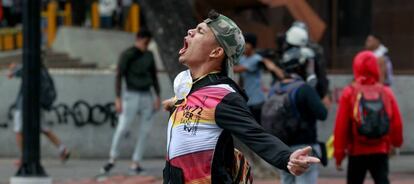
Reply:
x=182, y=50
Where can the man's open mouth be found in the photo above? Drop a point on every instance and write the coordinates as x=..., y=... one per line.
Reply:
x=185, y=46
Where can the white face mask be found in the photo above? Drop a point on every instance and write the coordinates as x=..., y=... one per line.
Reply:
x=182, y=84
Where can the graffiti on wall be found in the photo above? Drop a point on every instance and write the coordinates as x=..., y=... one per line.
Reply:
x=80, y=113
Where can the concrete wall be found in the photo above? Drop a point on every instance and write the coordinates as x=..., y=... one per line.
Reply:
x=86, y=140
x=97, y=46
x=96, y=87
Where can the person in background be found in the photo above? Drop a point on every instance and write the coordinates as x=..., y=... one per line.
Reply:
x=374, y=44
x=106, y=11
x=297, y=38
x=368, y=123
x=250, y=69
x=137, y=67
x=16, y=71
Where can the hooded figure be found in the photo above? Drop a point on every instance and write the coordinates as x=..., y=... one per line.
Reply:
x=365, y=153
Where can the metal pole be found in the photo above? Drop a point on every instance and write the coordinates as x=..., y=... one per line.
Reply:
x=31, y=89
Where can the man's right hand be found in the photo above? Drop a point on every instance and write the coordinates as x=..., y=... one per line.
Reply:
x=168, y=104
x=118, y=105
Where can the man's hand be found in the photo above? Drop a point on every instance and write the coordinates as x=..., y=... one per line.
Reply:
x=118, y=105
x=157, y=103
x=12, y=66
x=327, y=101
x=168, y=104
x=300, y=161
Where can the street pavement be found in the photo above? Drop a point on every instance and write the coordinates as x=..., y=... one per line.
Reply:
x=85, y=171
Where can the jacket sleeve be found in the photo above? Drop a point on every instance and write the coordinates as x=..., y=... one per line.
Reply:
x=233, y=115
x=396, y=133
x=154, y=77
x=342, y=131
x=120, y=72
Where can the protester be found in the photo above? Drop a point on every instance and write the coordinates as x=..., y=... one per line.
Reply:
x=47, y=97
x=291, y=113
x=137, y=67
x=209, y=108
x=250, y=68
x=368, y=123
x=373, y=43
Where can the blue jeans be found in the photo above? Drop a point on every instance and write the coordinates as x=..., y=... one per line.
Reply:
x=133, y=103
x=310, y=177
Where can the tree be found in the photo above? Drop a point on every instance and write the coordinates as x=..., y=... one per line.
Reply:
x=169, y=21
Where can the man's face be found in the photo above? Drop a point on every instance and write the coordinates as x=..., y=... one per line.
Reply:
x=198, y=45
x=372, y=43
x=248, y=49
x=143, y=43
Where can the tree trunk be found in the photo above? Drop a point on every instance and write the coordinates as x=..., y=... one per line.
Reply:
x=168, y=20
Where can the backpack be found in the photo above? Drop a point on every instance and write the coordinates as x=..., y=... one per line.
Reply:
x=242, y=171
x=370, y=111
x=279, y=113
x=48, y=93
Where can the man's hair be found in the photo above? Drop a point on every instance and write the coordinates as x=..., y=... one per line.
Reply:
x=251, y=38
x=143, y=33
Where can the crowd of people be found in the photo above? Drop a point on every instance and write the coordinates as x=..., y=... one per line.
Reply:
x=209, y=108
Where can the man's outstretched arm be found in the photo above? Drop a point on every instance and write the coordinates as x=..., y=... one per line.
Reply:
x=233, y=115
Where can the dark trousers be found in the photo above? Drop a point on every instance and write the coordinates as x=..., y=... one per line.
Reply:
x=256, y=110
x=376, y=164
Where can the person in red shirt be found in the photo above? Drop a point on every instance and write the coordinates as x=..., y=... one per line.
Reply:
x=365, y=154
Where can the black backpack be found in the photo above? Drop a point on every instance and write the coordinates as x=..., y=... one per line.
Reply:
x=370, y=112
x=48, y=93
x=279, y=113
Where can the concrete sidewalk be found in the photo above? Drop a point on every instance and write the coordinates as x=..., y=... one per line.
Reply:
x=86, y=170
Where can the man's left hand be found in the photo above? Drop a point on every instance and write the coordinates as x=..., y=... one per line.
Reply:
x=300, y=161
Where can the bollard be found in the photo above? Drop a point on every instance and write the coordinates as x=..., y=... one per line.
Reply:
x=68, y=14
x=8, y=41
x=19, y=39
x=51, y=22
x=95, y=16
x=135, y=17
x=1, y=40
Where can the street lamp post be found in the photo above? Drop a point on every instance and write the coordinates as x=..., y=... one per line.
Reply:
x=31, y=170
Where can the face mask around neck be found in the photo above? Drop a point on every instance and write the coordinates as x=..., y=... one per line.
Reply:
x=182, y=84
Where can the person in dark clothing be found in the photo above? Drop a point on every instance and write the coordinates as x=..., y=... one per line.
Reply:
x=209, y=108
x=137, y=67
x=309, y=108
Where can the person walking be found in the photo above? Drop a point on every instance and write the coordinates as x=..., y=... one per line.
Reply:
x=137, y=67
x=47, y=97
x=368, y=123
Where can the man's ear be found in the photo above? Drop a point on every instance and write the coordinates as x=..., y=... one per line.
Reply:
x=217, y=53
